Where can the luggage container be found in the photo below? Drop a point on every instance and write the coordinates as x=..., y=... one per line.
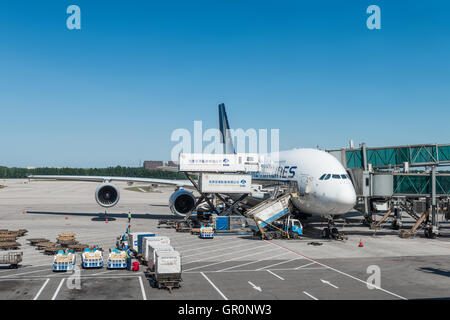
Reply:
x=133, y=241
x=92, y=258
x=64, y=261
x=237, y=222
x=141, y=240
x=221, y=223
x=117, y=259
x=153, y=241
x=152, y=249
x=167, y=270
x=204, y=162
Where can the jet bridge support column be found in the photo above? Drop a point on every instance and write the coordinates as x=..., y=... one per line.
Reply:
x=368, y=214
x=434, y=230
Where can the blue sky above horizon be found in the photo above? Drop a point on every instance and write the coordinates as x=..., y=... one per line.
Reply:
x=113, y=92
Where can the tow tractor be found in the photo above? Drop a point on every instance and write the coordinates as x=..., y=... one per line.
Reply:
x=92, y=258
x=64, y=260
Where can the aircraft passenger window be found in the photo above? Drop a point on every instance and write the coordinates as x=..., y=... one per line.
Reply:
x=323, y=176
x=327, y=177
x=343, y=176
x=336, y=176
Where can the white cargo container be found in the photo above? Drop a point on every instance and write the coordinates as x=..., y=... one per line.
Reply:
x=225, y=183
x=153, y=249
x=133, y=242
x=167, y=267
x=153, y=241
x=205, y=162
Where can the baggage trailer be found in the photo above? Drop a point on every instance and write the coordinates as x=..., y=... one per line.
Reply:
x=117, y=259
x=166, y=271
x=64, y=261
x=92, y=258
x=206, y=233
x=11, y=258
x=271, y=219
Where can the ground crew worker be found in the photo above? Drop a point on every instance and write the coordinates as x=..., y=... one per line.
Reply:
x=128, y=260
x=129, y=217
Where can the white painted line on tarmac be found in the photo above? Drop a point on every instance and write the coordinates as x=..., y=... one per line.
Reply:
x=144, y=297
x=200, y=243
x=247, y=263
x=214, y=286
x=41, y=265
x=65, y=275
x=276, y=264
x=40, y=290
x=219, y=262
x=22, y=273
x=254, y=286
x=311, y=296
x=99, y=273
x=225, y=254
x=275, y=275
x=59, y=288
x=258, y=270
x=305, y=265
x=224, y=248
x=329, y=283
x=338, y=271
x=222, y=244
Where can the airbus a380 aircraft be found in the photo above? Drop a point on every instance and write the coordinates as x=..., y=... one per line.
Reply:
x=322, y=181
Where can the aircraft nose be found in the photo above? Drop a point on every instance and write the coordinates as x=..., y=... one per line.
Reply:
x=346, y=198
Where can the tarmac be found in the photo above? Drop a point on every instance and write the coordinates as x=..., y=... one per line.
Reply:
x=226, y=267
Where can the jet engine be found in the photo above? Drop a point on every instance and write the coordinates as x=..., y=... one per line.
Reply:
x=107, y=195
x=181, y=202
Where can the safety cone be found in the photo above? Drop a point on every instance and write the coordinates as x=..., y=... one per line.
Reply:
x=360, y=244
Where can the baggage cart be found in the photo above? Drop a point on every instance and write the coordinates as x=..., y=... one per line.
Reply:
x=11, y=258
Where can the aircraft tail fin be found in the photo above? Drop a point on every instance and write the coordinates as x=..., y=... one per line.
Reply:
x=224, y=128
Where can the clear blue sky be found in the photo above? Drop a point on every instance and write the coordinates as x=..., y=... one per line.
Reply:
x=112, y=92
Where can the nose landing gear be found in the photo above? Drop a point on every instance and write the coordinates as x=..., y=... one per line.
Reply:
x=331, y=232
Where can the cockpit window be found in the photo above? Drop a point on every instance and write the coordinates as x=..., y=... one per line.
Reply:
x=336, y=176
x=328, y=176
x=343, y=176
x=323, y=176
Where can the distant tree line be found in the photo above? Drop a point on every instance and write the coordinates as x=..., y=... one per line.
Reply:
x=18, y=173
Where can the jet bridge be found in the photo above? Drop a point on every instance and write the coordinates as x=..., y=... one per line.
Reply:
x=401, y=179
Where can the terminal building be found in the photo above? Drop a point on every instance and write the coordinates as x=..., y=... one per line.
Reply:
x=159, y=165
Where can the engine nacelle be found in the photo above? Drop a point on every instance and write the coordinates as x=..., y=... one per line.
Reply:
x=107, y=195
x=181, y=202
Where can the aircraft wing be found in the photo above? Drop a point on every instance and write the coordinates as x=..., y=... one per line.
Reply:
x=169, y=182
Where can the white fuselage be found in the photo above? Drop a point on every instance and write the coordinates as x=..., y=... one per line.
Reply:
x=323, y=183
